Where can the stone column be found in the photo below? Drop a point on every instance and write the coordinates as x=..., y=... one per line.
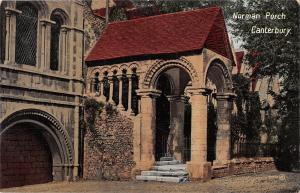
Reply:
x=111, y=90
x=224, y=107
x=63, y=57
x=102, y=97
x=44, y=64
x=10, y=39
x=129, y=110
x=148, y=121
x=120, y=105
x=198, y=167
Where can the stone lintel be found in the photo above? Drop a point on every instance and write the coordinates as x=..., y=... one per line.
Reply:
x=153, y=93
x=225, y=96
x=198, y=91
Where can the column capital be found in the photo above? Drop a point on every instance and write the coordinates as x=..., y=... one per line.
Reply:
x=177, y=98
x=46, y=22
x=198, y=91
x=120, y=77
x=225, y=96
x=153, y=93
x=9, y=11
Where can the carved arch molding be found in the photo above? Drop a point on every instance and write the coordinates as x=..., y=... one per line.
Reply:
x=158, y=67
x=47, y=119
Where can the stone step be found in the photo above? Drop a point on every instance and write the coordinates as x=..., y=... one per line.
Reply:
x=164, y=173
x=162, y=178
x=166, y=159
x=162, y=163
x=170, y=167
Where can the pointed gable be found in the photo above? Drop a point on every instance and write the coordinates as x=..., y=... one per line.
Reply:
x=164, y=34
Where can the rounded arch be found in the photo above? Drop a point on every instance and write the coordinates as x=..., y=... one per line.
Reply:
x=41, y=6
x=62, y=15
x=56, y=136
x=157, y=68
x=218, y=74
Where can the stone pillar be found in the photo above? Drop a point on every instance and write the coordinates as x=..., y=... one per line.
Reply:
x=177, y=124
x=76, y=139
x=111, y=90
x=224, y=107
x=63, y=57
x=102, y=97
x=10, y=39
x=129, y=110
x=148, y=121
x=198, y=167
x=120, y=105
x=44, y=65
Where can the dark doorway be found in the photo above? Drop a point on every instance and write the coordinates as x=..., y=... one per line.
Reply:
x=162, y=117
x=187, y=133
x=25, y=157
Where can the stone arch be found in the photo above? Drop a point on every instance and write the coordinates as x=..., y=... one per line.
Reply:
x=41, y=6
x=162, y=65
x=61, y=14
x=218, y=74
x=54, y=133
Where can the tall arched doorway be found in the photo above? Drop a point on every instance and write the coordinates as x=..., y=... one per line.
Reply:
x=162, y=117
x=35, y=148
x=172, y=132
x=25, y=157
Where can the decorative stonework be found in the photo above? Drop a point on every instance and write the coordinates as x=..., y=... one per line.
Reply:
x=31, y=113
x=161, y=65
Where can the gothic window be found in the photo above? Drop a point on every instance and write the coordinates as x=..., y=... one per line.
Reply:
x=2, y=32
x=26, y=34
x=55, y=35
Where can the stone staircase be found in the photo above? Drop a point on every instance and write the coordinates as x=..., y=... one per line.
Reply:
x=166, y=170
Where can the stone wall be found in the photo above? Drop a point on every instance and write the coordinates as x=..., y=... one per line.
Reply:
x=26, y=160
x=244, y=166
x=108, y=148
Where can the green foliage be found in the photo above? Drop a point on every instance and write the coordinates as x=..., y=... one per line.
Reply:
x=92, y=109
x=247, y=120
x=277, y=55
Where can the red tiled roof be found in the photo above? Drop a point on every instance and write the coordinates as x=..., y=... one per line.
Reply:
x=164, y=34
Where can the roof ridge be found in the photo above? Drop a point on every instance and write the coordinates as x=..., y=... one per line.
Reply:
x=161, y=15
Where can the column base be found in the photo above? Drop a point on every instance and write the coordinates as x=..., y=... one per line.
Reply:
x=199, y=171
x=145, y=165
x=120, y=108
x=221, y=162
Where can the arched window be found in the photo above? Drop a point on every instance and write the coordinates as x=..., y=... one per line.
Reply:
x=55, y=34
x=26, y=34
x=2, y=32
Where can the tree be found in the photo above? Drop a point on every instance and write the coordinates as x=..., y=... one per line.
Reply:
x=275, y=54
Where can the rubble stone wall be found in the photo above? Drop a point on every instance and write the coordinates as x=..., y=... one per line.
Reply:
x=244, y=166
x=108, y=148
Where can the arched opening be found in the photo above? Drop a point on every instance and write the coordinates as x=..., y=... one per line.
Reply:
x=162, y=117
x=173, y=120
x=219, y=109
x=25, y=157
x=59, y=18
x=2, y=31
x=26, y=34
x=34, y=149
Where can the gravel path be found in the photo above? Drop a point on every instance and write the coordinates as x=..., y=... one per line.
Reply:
x=272, y=181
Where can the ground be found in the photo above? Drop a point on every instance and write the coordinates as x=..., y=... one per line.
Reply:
x=271, y=181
